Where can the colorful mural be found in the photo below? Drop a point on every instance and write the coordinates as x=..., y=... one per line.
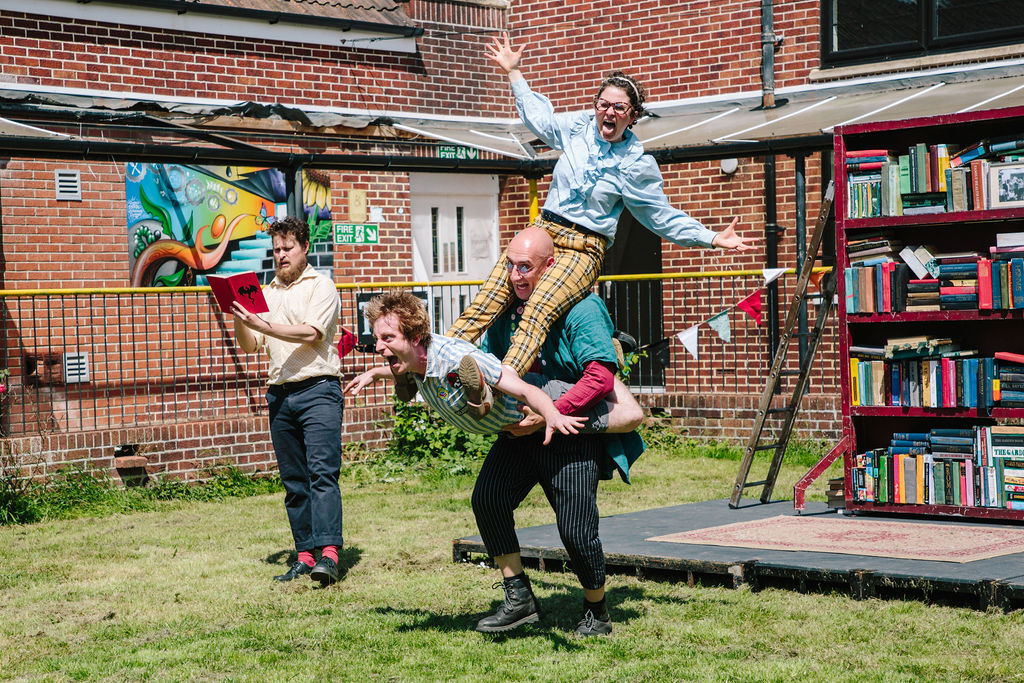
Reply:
x=186, y=221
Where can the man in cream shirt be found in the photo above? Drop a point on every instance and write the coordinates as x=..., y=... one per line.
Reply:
x=304, y=396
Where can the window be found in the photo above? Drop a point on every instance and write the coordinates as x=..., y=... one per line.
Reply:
x=433, y=240
x=879, y=30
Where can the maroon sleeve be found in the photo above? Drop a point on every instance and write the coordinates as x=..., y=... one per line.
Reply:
x=597, y=382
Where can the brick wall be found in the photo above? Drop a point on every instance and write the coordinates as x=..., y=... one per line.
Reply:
x=174, y=450
x=678, y=50
x=728, y=417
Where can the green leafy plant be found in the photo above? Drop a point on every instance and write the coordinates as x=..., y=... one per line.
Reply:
x=78, y=492
x=17, y=501
x=629, y=362
x=422, y=441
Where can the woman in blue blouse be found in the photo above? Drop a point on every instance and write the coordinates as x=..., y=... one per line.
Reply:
x=602, y=170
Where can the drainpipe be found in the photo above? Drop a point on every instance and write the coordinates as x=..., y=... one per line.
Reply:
x=771, y=251
x=767, y=55
x=771, y=227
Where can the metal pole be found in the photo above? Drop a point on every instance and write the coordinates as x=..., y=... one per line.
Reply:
x=771, y=249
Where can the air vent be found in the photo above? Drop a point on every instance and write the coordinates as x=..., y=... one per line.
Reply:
x=76, y=368
x=68, y=182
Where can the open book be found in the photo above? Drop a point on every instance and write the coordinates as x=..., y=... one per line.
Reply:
x=241, y=287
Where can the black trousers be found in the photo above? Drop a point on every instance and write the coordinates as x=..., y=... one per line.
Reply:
x=567, y=470
x=305, y=427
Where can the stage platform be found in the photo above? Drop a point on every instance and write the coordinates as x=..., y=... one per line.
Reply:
x=996, y=581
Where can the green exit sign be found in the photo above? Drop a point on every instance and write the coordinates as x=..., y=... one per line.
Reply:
x=356, y=233
x=457, y=152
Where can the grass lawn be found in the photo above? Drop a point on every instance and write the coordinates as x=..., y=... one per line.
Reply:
x=185, y=593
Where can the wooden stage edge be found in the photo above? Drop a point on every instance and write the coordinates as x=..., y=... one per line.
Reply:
x=993, y=582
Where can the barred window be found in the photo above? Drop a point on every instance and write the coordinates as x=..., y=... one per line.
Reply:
x=878, y=30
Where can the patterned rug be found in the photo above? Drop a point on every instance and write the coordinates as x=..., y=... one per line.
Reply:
x=851, y=536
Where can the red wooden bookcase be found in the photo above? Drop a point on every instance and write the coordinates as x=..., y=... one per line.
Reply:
x=868, y=427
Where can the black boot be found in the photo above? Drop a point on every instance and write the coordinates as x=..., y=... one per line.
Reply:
x=596, y=621
x=519, y=607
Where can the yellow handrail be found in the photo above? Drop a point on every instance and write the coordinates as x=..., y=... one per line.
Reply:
x=381, y=285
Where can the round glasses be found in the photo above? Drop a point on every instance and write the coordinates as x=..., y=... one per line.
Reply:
x=523, y=269
x=620, y=108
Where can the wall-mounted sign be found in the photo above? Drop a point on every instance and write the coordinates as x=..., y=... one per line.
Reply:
x=457, y=152
x=356, y=233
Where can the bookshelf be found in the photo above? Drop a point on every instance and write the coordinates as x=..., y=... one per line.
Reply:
x=870, y=428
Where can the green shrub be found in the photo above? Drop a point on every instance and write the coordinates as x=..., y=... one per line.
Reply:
x=423, y=442
x=17, y=501
x=219, y=482
x=78, y=492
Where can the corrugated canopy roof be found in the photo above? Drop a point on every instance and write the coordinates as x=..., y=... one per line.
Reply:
x=382, y=14
x=711, y=128
x=700, y=128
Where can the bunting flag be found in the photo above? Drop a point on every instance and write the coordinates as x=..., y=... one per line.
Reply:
x=720, y=324
x=772, y=274
x=346, y=342
x=689, y=339
x=752, y=306
x=816, y=279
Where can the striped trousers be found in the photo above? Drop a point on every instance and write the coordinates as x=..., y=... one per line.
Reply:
x=567, y=470
x=579, y=257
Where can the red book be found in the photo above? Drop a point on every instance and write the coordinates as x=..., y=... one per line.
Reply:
x=964, y=289
x=978, y=184
x=1010, y=357
x=241, y=287
x=887, y=269
x=863, y=166
x=963, y=486
x=948, y=383
x=866, y=153
x=984, y=284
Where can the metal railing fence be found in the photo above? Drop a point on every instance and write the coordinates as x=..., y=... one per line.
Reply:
x=96, y=359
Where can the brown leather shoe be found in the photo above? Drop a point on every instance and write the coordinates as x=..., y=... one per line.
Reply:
x=476, y=390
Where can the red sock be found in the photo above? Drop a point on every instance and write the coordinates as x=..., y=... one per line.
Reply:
x=306, y=557
x=330, y=551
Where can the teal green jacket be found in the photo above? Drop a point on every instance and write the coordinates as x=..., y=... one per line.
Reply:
x=582, y=335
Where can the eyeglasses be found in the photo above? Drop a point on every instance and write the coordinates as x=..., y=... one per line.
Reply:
x=620, y=108
x=523, y=269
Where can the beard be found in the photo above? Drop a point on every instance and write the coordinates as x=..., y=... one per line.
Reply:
x=290, y=273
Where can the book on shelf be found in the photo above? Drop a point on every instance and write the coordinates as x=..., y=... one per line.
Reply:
x=984, y=286
x=241, y=287
x=915, y=203
x=1009, y=357
x=967, y=154
x=957, y=257
x=1008, y=252
x=913, y=262
x=867, y=351
x=1010, y=239
x=925, y=254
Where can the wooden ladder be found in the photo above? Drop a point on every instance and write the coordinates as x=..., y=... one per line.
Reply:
x=787, y=413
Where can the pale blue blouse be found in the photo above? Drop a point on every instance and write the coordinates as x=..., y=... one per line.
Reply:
x=594, y=180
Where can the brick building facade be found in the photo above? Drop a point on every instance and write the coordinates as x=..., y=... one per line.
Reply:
x=681, y=51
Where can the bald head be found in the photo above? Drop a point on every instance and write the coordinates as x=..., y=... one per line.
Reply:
x=530, y=253
x=533, y=242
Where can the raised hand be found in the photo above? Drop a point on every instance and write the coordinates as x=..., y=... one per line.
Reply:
x=501, y=53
